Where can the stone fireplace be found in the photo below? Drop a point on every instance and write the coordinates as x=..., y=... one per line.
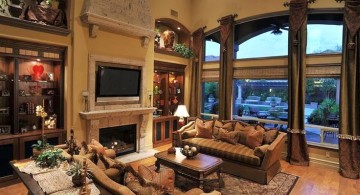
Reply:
x=108, y=114
x=130, y=18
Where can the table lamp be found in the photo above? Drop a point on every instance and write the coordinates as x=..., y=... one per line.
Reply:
x=181, y=112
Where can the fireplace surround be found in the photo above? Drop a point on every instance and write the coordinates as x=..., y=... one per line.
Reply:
x=107, y=114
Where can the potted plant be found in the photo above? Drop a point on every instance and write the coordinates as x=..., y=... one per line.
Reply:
x=40, y=147
x=184, y=50
x=240, y=110
x=75, y=171
x=50, y=158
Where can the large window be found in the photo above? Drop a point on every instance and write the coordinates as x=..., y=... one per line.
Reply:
x=212, y=47
x=210, y=101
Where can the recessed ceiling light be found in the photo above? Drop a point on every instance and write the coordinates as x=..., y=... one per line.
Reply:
x=178, y=28
x=38, y=60
x=158, y=21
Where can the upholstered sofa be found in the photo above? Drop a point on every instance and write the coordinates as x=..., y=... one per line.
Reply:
x=239, y=159
x=114, y=176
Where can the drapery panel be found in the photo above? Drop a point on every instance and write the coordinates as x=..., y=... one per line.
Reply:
x=226, y=66
x=195, y=75
x=349, y=135
x=297, y=153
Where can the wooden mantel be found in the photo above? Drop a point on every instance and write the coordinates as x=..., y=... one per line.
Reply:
x=99, y=114
x=97, y=119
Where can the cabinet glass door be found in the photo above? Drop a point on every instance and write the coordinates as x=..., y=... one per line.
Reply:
x=38, y=85
x=6, y=94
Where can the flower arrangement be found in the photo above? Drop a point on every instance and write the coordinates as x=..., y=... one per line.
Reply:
x=40, y=111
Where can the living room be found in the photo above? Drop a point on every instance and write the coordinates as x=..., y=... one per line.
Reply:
x=87, y=40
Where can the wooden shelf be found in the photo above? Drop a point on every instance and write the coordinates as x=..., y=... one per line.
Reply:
x=33, y=26
x=30, y=133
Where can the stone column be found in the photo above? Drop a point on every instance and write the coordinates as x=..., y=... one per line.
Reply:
x=239, y=97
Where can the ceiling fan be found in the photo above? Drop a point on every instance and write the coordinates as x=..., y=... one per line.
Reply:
x=277, y=28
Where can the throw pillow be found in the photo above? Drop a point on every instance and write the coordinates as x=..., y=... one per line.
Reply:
x=97, y=146
x=165, y=178
x=243, y=131
x=254, y=138
x=261, y=150
x=269, y=135
x=189, y=134
x=231, y=137
x=203, y=128
x=224, y=125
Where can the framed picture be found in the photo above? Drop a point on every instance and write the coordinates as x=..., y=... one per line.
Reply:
x=3, y=77
x=5, y=129
x=5, y=93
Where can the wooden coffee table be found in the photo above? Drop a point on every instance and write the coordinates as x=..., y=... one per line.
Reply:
x=197, y=168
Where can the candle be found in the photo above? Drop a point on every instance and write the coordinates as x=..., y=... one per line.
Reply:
x=85, y=93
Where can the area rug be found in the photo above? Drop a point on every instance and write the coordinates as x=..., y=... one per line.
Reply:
x=136, y=156
x=281, y=184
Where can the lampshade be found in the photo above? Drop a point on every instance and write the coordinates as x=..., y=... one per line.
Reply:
x=181, y=111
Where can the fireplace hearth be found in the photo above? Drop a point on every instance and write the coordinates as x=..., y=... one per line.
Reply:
x=120, y=138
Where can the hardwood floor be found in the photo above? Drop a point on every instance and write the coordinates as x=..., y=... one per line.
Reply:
x=314, y=180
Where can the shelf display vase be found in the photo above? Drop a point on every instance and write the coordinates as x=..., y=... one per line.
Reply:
x=175, y=100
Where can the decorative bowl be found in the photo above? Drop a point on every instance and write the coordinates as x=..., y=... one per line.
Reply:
x=189, y=152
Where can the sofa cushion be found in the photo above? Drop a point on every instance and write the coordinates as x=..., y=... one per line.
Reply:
x=230, y=137
x=203, y=128
x=239, y=152
x=254, y=138
x=224, y=125
x=165, y=177
x=243, y=131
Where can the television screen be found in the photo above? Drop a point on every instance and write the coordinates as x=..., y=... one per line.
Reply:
x=117, y=82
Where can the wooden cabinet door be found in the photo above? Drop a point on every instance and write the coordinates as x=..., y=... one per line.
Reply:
x=9, y=151
x=163, y=128
x=26, y=143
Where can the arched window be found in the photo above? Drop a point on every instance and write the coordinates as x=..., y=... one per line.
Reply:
x=264, y=45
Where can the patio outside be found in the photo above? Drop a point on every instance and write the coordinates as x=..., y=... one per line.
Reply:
x=266, y=102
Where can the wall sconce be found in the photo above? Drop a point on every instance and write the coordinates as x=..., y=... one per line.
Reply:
x=85, y=94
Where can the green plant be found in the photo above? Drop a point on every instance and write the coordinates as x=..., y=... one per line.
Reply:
x=326, y=108
x=183, y=50
x=48, y=2
x=41, y=145
x=240, y=110
x=50, y=158
x=76, y=169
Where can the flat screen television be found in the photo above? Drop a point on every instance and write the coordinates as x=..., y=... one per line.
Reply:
x=117, y=82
